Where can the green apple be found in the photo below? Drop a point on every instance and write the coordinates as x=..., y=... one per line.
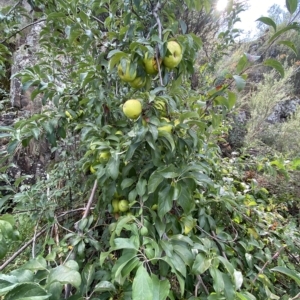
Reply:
x=68, y=115
x=144, y=231
x=150, y=64
x=138, y=82
x=132, y=108
x=119, y=132
x=174, y=57
x=115, y=205
x=104, y=156
x=124, y=73
x=166, y=128
x=123, y=205
x=92, y=170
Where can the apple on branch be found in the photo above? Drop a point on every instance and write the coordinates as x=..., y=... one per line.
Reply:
x=173, y=56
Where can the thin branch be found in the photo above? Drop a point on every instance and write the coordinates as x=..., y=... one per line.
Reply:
x=17, y=253
x=200, y=282
x=155, y=14
x=89, y=204
x=98, y=20
x=18, y=31
x=268, y=262
x=13, y=8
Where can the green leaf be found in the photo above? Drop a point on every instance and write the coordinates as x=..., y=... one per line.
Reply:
x=104, y=286
x=245, y=296
x=291, y=5
x=154, y=181
x=165, y=201
x=127, y=182
x=64, y=275
x=201, y=264
x=88, y=275
x=289, y=44
x=231, y=99
x=23, y=275
x=161, y=288
x=112, y=166
x=141, y=187
x=290, y=273
x=121, y=223
x=126, y=258
x=142, y=286
x=229, y=267
x=27, y=291
x=7, y=283
x=229, y=290
x=292, y=26
x=36, y=264
x=268, y=21
x=238, y=279
x=125, y=243
x=240, y=82
x=218, y=282
x=270, y=62
x=242, y=64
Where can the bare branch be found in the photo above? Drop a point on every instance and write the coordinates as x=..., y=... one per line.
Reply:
x=200, y=282
x=17, y=253
x=13, y=8
x=18, y=31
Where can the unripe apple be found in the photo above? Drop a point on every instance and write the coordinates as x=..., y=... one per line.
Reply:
x=173, y=59
x=132, y=108
x=104, y=157
x=125, y=74
x=123, y=205
x=138, y=82
x=115, y=205
x=144, y=231
x=92, y=170
x=150, y=64
x=68, y=115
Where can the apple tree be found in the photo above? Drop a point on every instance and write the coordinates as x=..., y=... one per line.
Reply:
x=138, y=204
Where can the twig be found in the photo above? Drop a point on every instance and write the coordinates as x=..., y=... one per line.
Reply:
x=269, y=261
x=18, y=31
x=200, y=282
x=89, y=204
x=158, y=22
x=17, y=253
x=98, y=20
x=155, y=14
x=9, y=12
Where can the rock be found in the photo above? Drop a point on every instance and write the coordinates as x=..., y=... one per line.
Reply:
x=283, y=110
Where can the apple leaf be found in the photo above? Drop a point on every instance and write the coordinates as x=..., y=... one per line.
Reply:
x=268, y=21
x=291, y=5
x=290, y=273
x=289, y=44
x=142, y=287
x=275, y=64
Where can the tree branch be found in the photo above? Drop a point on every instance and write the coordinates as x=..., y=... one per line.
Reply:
x=17, y=253
x=18, y=31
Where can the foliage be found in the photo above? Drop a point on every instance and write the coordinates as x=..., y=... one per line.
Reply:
x=196, y=229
